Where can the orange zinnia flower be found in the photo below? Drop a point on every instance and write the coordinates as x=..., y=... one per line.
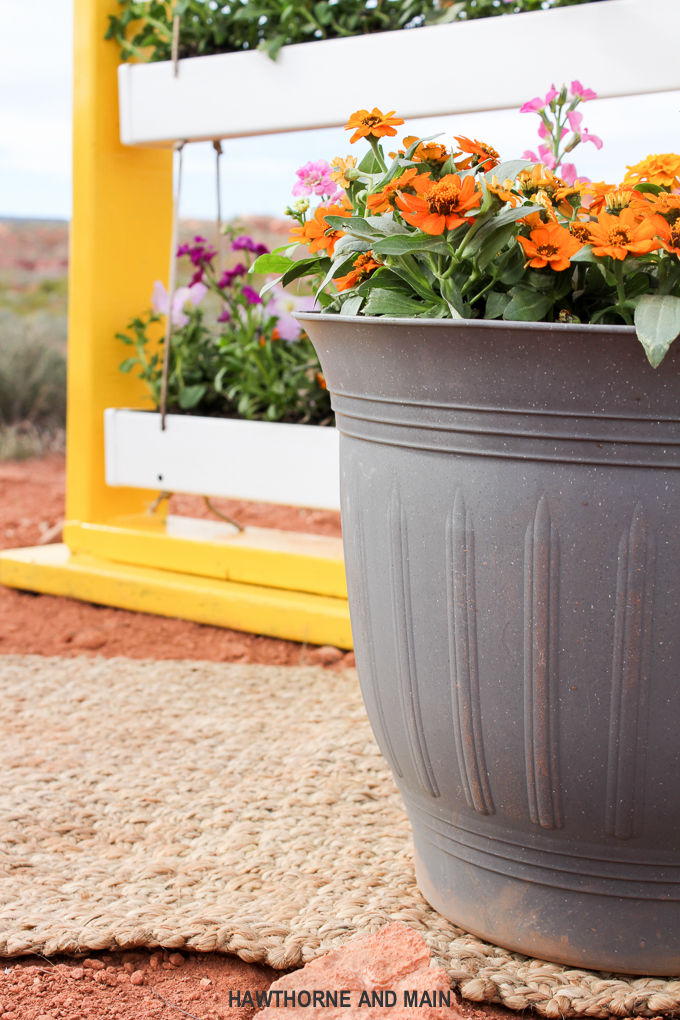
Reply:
x=383, y=200
x=549, y=245
x=663, y=169
x=662, y=204
x=339, y=168
x=503, y=191
x=594, y=196
x=669, y=234
x=482, y=153
x=580, y=231
x=365, y=124
x=438, y=205
x=618, y=236
x=313, y=232
x=363, y=267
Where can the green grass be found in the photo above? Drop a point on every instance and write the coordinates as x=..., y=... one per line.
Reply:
x=32, y=382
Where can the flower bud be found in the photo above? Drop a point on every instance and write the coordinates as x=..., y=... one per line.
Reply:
x=302, y=205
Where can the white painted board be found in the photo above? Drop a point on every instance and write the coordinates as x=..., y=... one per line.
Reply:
x=266, y=462
x=617, y=47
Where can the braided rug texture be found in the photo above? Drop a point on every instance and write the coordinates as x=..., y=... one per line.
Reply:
x=242, y=809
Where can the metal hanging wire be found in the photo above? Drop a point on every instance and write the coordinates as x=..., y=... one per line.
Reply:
x=217, y=146
x=175, y=44
x=172, y=283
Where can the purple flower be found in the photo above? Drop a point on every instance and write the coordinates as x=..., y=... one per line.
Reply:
x=251, y=296
x=200, y=253
x=229, y=275
x=246, y=243
x=584, y=94
x=225, y=315
x=197, y=277
x=314, y=179
x=159, y=300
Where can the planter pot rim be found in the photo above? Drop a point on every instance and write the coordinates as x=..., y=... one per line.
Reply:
x=561, y=327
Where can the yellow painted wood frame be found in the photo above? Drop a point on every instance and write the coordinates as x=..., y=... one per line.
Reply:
x=115, y=553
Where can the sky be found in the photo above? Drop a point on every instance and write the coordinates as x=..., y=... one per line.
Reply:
x=258, y=173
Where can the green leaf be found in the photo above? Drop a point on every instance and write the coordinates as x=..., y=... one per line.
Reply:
x=369, y=164
x=657, y=322
x=513, y=270
x=349, y=244
x=496, y=303
x=352, y=305
x=403, y=244
x=390, y=302
x=509, y=170
x=354, y=225
x=305, y=267
x=585, y=254
x=337, y=268
x=128, y=364
x=453, y=298
x=271, y=264
x=527, y=305
x=493, y=243
x=648, y=189
x=191, y=395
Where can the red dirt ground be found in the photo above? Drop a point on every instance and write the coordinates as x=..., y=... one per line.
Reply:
x=32, y=503
x=142, y=985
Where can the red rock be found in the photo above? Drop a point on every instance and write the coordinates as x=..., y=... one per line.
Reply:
x=205, y=982
x=349, y=662
x=394, y=959
x=326, y=655
x=89, y=639
x=92, y=964
x=137, y=978
x=176, y=959
x=77, y=973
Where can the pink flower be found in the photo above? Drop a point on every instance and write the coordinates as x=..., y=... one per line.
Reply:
x=335, y=199
x=575, y=119
x=568, y=173
x=314, y=179
x=159, y=300
x=547, y=157
x=225, y=315
x=584, y=94
x=528, y=154
x=283, y=305
x=538, y=104
x=587, y=137
x=533, y=106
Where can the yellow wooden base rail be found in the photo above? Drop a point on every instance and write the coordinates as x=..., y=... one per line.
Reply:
x=275, y=612
x=276, y=559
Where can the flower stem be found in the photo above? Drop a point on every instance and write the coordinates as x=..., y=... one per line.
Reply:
x=375, y=145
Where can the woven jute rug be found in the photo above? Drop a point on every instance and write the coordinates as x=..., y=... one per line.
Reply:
x=243, y=809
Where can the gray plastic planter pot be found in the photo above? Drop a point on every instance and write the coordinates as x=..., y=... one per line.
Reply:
x=510, y=503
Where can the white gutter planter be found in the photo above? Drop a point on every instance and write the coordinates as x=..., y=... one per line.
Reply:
x=267, y=462
x=419, y=72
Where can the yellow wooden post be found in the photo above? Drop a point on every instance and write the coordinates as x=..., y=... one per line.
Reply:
x=120, y=238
